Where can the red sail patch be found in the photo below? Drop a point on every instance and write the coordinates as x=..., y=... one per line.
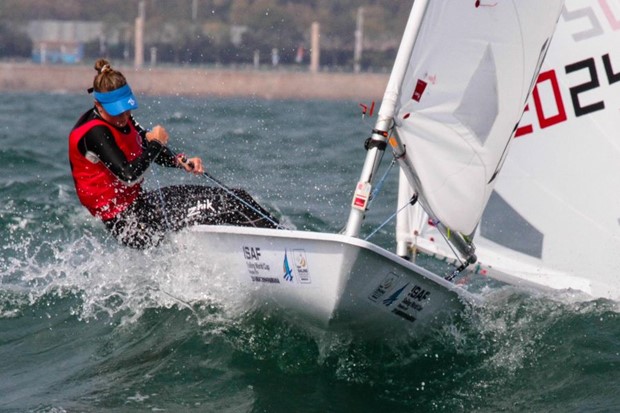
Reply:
x=420, y=87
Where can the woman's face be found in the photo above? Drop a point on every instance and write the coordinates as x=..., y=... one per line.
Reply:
x=120, y=121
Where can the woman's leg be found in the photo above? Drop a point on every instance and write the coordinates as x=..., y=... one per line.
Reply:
x=140, y=226
x=172, y=208
x=187, y=205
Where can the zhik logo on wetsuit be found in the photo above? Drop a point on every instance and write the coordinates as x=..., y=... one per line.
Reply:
x=195, y=210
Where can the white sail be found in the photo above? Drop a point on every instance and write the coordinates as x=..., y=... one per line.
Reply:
x=462, y=96
x=559, y=193
x=554, y=218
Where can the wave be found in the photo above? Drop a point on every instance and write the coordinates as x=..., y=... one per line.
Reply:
x=130, y=327
x=88, y=325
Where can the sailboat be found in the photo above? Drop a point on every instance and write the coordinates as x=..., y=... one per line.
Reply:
x=457, y=91
x=553, y=221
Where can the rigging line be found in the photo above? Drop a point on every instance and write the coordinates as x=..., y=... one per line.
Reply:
x=237, y=197
x=412, y=201
x=379, y=185
x=161, y=199
x=450, y=245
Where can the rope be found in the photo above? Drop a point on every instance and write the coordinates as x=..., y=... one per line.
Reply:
x=463, y=264
x=161, y=199
x=379, y=186
x=449, y=244
x=412, y=201
x=228, y=191
x=238, y=198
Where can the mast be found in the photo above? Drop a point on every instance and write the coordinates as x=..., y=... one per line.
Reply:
x=380, y=134
x=378, y=141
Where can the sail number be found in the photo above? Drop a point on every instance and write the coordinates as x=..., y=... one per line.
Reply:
x=547, y=85
x=588, y=25
x=585, y=22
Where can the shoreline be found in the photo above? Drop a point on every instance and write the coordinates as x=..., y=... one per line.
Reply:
x=200, y=82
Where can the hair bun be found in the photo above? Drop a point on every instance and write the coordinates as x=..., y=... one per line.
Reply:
x=102, y=66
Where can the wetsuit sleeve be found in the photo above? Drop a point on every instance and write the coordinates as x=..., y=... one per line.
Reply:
x=100, y=143
x=166, y=157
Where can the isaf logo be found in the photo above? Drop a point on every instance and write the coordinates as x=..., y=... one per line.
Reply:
x=251, y=253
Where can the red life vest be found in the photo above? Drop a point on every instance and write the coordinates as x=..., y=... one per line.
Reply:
x=102, y=193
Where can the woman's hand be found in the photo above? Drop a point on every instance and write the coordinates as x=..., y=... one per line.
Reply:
x=159, y=134
x=191, y=164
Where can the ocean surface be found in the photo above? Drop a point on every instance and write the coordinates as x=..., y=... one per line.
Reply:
x=87, y=325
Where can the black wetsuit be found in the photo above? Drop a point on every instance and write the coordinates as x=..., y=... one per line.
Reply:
x=145, y=222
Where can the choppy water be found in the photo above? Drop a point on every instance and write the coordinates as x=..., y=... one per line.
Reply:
x=87, y=325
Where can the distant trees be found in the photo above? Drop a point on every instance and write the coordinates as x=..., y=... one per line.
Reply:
x=24, y=10
x=201, y=31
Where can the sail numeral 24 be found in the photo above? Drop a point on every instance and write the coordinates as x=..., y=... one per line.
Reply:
x=588, y=65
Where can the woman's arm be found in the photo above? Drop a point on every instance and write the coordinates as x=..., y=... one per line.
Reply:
x=98, y=143
x=166, y=157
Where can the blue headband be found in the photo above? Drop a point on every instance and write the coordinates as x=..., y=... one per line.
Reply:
x=117, y=101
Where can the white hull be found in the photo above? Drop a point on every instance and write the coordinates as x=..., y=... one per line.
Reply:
x=334, y=282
